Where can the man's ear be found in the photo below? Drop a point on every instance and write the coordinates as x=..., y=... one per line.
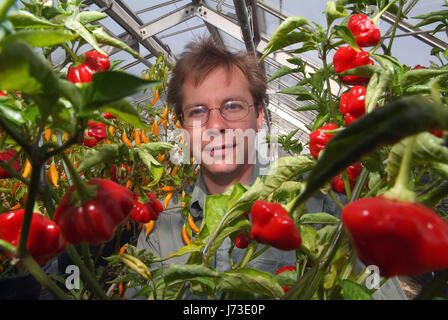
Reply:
x=260, y=117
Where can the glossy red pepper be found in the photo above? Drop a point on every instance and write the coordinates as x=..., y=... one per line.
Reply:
x=93, y=221
x=145, y=212
x=108, y=115
x=80, y=73
x=44, y=239
x=352, y=104
x=97, y=61
x=272, y=225
x=319, y=139
x=95, y=133
x=366, y=33
x=353, y=172
x=242, y=241
x=3, y=94
x=347, y=58
x=419, y=67
x=6, y=156
x=283, y=269
x=401, y=238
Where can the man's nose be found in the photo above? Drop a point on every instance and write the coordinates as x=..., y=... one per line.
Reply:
x=216, y=121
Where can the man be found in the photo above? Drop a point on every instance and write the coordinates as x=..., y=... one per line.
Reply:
x=215, y=93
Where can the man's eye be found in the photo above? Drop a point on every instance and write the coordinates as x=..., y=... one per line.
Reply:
x=196, y=112
x=233, y=106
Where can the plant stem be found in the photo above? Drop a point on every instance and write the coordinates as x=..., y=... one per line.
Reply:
x=327, y=80
x=5, y=245
x=247, y=256
x=86, y=256
x=37, y=272
x=81, y=186
x=392, y=38
x=87, y=275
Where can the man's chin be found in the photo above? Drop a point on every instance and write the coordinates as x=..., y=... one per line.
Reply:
x=221, y=169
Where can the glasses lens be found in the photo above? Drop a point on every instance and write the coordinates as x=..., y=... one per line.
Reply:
x=196, y=115
x=235, y=110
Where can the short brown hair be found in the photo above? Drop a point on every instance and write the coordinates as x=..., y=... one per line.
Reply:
x=202, y=57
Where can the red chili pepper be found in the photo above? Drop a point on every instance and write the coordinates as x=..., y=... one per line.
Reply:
x=145, y=212
x=364, y=30
x=352, y=104
x=347, y=58
x=95, y=220
x=242, y=241
x=3, y=94
x=108, y=115
x=319, y=139
x=353, y=171
x=401, y=238
x=6, y=156
x=97, y=61
x=419, y=67
x=95, y=133
x=44, y=239
x=437, y=133
x=283, y=269
x=272, y=225
x=80, y=73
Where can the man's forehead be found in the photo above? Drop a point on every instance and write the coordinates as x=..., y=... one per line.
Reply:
x=199, y=77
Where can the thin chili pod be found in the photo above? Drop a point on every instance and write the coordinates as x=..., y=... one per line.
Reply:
x=143, y=136
x=47, y=134
x=128, y=184
x=126, y=140
x=165, y=124
x=156, y=97
x=167, y=199
x=17, y=206
x=137, y=138
x=161, y=157
x=156, y=128
x=185, y=235
x=111, y=131
x=53, y=175
x=148, y=227
x=174, y=171
x=27, y=169
x=165, y=112
x=192, y=224
x=168, y=189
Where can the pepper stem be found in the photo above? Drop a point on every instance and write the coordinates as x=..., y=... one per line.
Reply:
x=400, y=190
x=378, y=16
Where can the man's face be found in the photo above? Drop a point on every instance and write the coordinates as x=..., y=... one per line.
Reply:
x=222, y=146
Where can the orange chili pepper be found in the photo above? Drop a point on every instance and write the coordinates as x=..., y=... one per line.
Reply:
x=27, y=169
x=174, y=171
x=156, y=97
x=137, y=139
x=47, y=134
x=167, y=199
x=192, y=224
x=53, y=175
x=148, y=227
x=146, y=181
x=17, y=206
x=122, y=250
x=161, y=157
x=120, y=289
x=155, y=128
x=14, y=189
x=111, y=130
x=143, y=136
x=168, y=188
x=178, y=125
x=128, y=184
x=183, y=194
x=165, y=124
x=185, y=235
x=126, y=140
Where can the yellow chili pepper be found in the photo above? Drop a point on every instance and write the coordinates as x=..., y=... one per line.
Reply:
x=192, y=224
x=167, y=199
x=185, y=235
x=126, y=140
x=137, y=139
x=111, y=130
x=148, y=227
x=128, y=184
x=168, y=189
x=183, y=194
x=156, y=97
x=156, y=128
x=143, y=136
x=27, y=169
x=47, y=134
x=174, y=171
x=178, y=125
x=53, y=175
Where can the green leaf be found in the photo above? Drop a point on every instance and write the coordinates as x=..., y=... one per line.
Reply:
x=125, y=111
x=251, y=281
x=379, y=82
x=344, y=33
x=309, y=239
x=283, y=71
x=419, y=75
x=334, y=11
x=147, y=158
x=383, y=126
x=40, y=38
x=362, y=71
x=109, y=86
x=105, y=153
x=156, y=147
x=185, y=272
x=354, y=291
x=280, y=34
x=157, y=172
x=23, y=69
x=300, y=91
x=287, y=278
x=428, y=148
x=24, y=19
x=91, y=16
x=215, y=208
x=104, y=38
x=318, y=217
x=73, y=23
x=12, y=113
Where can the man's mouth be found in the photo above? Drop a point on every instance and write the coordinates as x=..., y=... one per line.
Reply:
x=220, y=150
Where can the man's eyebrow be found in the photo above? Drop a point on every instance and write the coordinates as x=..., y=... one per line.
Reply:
x=232, y=98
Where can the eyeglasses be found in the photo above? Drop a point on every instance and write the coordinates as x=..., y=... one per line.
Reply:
x=197, y=116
